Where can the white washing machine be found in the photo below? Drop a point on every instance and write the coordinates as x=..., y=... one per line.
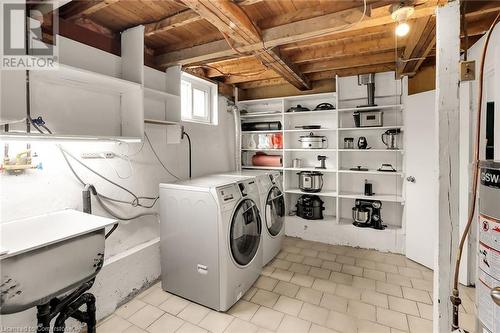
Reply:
x=210, y=239
x=272, y=206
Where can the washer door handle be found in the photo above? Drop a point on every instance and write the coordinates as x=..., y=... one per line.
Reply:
x=495, y=295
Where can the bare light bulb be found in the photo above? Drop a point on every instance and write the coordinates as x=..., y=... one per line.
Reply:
x=402, y=29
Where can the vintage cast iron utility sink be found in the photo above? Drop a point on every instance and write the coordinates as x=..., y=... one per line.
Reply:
x=45, y=256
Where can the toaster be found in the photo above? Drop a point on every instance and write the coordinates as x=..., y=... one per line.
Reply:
x=367, y=118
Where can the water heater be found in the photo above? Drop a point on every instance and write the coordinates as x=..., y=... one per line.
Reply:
x=488, y=284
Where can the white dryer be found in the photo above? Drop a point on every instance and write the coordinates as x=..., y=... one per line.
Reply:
x=210, y=236
x=272, y=206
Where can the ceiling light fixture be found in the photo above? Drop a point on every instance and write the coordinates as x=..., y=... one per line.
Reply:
x=400, y=14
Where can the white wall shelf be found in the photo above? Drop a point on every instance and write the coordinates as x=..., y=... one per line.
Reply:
x=341, y=185
x=262, y=149
x=160, y=95
x=260, y=168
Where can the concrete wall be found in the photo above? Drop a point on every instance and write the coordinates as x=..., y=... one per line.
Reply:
x=132, y=252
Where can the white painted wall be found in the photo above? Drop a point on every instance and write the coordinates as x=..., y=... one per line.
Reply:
x=132, y=254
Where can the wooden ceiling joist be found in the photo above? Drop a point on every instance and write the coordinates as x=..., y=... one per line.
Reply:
x=80, y=9
x=171, y=22
x=329, y=24
x=232, y=21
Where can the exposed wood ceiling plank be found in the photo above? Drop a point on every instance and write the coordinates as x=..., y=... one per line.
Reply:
x=422, y=44
x=330, y=24
x=79, y=9
x=178, y=20
x=232, y=21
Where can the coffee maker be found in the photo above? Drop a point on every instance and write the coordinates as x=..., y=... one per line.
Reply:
x=390, y=138
x=367, y=214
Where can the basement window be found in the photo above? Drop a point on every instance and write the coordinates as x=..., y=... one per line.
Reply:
x=198, y=100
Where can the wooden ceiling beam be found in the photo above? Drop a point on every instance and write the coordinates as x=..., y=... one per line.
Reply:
x=329, y=24
x=422, y=41
x=171, y=22
x=78, y=9
x=232, y=21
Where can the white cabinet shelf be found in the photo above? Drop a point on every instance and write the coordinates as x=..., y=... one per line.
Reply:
x=261, y=132
x=373, y=172
x=373, y=150
x=298, y=130
x=369, y=128
x=252, y=167
x=323, y=193
x=160, y=95
x=397, y=107
x=262, y=149
x=260, y=115
x=319, y=150
x=381, y=197
x=311, y=169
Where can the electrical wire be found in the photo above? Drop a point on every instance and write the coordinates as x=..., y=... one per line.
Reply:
x=455, y=297
x=189, y=145
x=158, y=158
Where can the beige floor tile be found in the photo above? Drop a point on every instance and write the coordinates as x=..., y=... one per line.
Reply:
x=243, y=309
x=326, y=286
x=394, y=330
x=156, y=297
x=392, y=319
x=174, y=305
x=374, y=274
x=321, y=247
x=113, y=324
x=299, y=268
x=302, y=280
x=293, y=325
x=352, y=270
x=348, y=292
x=320, y=329
x=467, y=321
x=281, y=255
x=315, y=262
x=190, y=328
x=267, y=318
x=327, y=256
x=334, y=302
x=417, y=295
x=428, y=275
x=419, y=325
x=303, y=244
x=410, y=272
x=241, y=326
x=134, y=329
x=266, y=283
x=150, y=289
x=341, y=278
x=286, y=288
x=145, y=316
x=268, y=270
x=320, y=273
x=425, y=310
x=265, y=298
x=365, y=263
x=282, y=275
x=395, y=259
x=365, y=326
x=389, y=289
x=398, y=279
x=374, y=298
x=193, y=313
x=249, y=294
x=403, y=305
x=422, y=284
x=309, y=252
x=281, y=264
x=345, y=260
x=341, y=322
x=216, y=322
x=314, y=314
x=165, y=324
x=292, y=249
x=363, y=283
x=331, y=265
x=361, y=310
x=388, y=268
x=468, y=305
x=296, y=258
x=336, y=249
x=309, y=295
x=288, y=305
x=128, y=309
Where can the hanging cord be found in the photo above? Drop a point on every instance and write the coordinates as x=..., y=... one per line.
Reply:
x=158, y=158
x=455, y=297
x=184, y=133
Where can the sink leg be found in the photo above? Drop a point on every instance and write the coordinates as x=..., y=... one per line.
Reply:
x=91, y=321
x=43, y=318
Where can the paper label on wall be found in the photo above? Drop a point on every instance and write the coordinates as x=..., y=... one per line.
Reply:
x=488, y=311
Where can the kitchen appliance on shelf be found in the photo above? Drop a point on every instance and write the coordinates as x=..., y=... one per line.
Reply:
x=386, y=167
x=363, y=143
x=298, y=108
x=368, y=188
x=262, y=159
x=367, y=214
x=368, y=118
x=312, y=141
x=390, y=138
x=296, y=163
x=348, y=143
x=322, y=160
x=308, y=127
x=261, y=126
x=359, y=168
x=310, y=181
x=310, y=207
x=368, y=80
x=324, y=106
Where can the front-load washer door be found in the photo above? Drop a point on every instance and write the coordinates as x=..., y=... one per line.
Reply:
x=275, y=211
x=244, y=236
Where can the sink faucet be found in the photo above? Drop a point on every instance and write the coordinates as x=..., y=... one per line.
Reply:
x=86, y=196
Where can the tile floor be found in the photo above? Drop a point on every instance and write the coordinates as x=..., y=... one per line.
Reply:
x=309, y=287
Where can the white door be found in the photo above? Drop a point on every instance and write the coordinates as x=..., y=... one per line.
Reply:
x=420, y=177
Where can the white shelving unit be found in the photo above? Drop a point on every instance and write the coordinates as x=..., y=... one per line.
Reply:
x=342, y=186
